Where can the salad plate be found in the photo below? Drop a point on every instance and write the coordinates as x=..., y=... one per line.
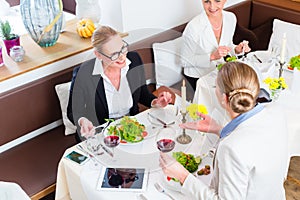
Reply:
x=131, y=130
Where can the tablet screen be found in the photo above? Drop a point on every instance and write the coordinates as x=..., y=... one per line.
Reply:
x=123, y=179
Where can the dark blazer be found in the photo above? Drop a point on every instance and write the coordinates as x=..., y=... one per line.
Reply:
x=87, y=94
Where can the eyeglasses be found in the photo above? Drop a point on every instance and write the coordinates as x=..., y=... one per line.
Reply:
x=116, y=55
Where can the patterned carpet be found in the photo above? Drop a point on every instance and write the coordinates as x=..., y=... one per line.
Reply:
x=292, y=184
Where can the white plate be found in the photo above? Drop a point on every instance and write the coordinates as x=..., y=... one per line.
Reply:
x=148, y=128
x=264, y=56
x=168, y=115
x=285, y=67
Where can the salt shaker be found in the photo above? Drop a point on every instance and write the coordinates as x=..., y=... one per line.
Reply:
x=17, y=53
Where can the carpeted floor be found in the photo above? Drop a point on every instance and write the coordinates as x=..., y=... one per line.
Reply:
x=292, y=184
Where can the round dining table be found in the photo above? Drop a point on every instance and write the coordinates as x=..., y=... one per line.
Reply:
x=76, y=181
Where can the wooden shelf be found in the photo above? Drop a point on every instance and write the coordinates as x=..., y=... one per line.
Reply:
x=286, y=4
x=69, y=43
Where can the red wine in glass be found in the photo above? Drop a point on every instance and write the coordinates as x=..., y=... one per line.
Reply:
x=112, y=141
x=165, y=145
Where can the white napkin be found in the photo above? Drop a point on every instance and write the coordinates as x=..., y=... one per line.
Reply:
x=4, y=8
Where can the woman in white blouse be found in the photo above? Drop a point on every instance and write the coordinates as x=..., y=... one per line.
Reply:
x=251, y=160
x=207, y=39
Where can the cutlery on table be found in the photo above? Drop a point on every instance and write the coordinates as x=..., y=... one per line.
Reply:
x=161, y=121
x=162, y=190
x=255, y=56
x=102, y=126
x=141, y=197
x=106, y=150
x=89, y=154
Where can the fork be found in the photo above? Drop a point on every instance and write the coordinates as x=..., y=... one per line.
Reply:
x=162, y=190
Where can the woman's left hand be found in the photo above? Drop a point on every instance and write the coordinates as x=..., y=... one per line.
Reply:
x=243, y=45
x=162, y=100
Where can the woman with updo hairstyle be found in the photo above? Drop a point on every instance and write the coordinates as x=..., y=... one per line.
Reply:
x=109, y=86
x=243, y=90
x=251, y=156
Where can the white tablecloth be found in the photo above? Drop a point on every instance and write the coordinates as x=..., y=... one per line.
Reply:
x=289, y=98
x=79, y=182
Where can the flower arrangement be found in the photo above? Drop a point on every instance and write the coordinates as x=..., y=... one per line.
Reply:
x=276, y=83
x=227, y=59
x=194, y=108
x=294, y=63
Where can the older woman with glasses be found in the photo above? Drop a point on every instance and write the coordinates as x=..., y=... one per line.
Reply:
x=109, y=86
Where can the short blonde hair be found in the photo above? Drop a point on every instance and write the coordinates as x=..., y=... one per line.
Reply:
x=102, y=35
x=240, y=84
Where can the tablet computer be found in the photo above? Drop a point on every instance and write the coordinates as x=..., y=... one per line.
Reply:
x=123, y=179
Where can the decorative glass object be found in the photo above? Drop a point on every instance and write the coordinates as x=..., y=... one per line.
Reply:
x=17, y=53
x=275, y=94
x=42, y=20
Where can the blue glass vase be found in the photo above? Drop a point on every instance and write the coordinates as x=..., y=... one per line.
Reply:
x=42, y=20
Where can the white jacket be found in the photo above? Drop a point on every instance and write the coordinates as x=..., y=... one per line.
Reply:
x=200, y=42
x=251, y=163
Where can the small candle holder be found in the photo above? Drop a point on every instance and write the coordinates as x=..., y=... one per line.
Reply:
x=184, y=138
x=280, y=68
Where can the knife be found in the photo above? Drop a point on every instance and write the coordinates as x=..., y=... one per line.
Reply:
x=259, y=60
x=159, y=120
x=106, y=150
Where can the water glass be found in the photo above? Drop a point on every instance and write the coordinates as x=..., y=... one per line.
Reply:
x=93, y=144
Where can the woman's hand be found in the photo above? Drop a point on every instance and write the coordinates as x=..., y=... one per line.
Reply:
x=86, y=127
x=206, y=124
x=172, y=168
x=220, y=52
x=243, y=45
x=162, y=100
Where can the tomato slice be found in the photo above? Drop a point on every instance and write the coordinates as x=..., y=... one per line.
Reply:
x=290, y=68
x=144, y=134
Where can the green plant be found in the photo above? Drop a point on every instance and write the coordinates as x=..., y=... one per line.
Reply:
x=295, y=62
x=5, y=31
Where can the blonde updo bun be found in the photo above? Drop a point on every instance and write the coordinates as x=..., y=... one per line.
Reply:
x=240, y=84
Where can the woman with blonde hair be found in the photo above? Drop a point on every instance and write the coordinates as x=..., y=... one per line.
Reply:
x=251, y=159
x=109, y=86
x=208, y=37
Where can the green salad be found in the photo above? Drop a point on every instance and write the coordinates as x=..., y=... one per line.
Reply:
x=189, y=161
x=227, y=59
x=129, y=129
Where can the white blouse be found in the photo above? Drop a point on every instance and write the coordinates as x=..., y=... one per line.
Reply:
x=119, y=101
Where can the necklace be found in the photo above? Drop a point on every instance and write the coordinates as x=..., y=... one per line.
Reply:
x=217, y=28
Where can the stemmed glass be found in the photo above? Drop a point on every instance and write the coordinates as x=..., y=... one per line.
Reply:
x=165, y=139
x=112, y=140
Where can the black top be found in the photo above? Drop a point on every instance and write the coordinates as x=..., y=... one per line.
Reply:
x=87, y=94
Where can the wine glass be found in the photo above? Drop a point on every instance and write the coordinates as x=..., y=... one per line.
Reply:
x=165, y=139
x=111, y=140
